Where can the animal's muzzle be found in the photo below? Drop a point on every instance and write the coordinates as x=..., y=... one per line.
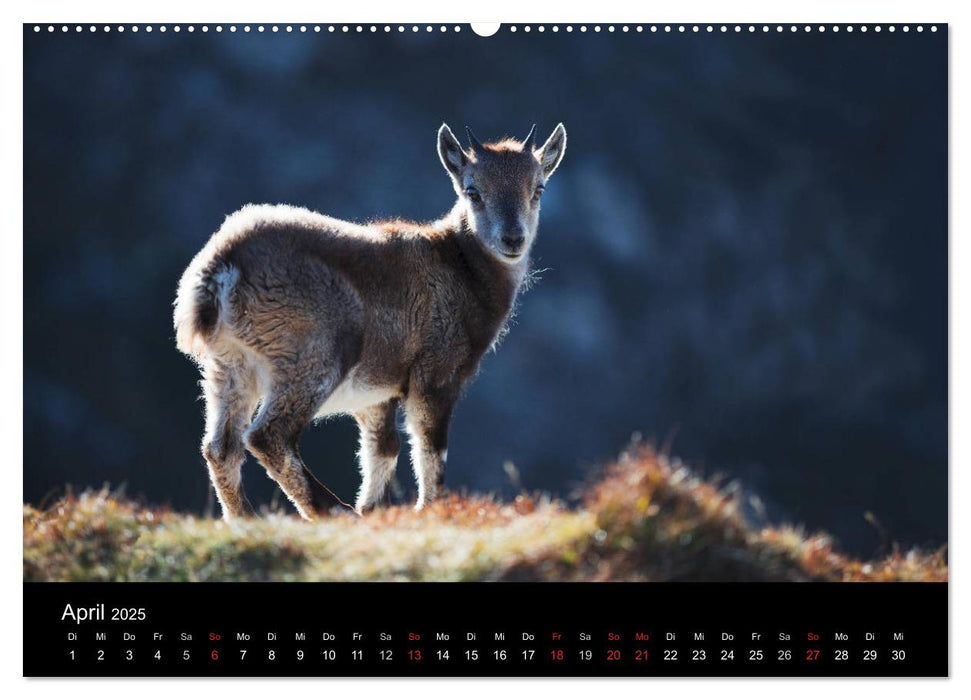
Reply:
x=513, y=242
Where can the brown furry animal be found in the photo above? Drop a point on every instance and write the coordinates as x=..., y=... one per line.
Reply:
x=301, y=315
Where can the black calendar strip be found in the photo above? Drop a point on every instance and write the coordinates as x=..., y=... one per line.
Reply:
x=508, y=629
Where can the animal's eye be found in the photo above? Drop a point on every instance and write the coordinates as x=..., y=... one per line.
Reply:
x=538, y=192
x=473, y=194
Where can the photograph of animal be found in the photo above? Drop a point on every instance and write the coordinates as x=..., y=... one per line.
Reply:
x=292, y=316
x=735, y=318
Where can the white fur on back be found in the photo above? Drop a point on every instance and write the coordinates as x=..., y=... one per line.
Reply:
x=253, y=216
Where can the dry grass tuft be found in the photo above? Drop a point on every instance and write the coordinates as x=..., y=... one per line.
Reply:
x=649, y=518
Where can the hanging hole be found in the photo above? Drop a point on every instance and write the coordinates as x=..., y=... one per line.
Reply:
x=485, y=28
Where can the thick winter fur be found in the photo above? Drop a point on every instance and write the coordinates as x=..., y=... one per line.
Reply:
x=293, y=315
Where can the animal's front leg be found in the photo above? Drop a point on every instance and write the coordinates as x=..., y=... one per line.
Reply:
x=427, y=421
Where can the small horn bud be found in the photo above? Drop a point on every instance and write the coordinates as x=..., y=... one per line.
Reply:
x=473, y=141
x=530, y=142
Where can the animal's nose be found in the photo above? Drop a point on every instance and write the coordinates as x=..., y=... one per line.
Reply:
x=513, y=241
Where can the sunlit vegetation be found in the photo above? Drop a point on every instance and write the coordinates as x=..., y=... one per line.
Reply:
x=648, y=518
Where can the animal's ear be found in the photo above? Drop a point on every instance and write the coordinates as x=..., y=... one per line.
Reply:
x=551, y=153
x=453, y=157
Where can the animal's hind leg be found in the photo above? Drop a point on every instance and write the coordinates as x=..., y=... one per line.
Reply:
x=230, y=392
x=378, y=454
x=274, y=439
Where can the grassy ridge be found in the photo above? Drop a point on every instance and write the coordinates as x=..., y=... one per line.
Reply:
x=648, y=518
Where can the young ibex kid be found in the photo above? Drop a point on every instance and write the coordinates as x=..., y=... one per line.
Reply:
x=301, y=316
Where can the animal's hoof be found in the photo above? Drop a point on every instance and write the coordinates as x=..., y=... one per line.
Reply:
x=244, y=513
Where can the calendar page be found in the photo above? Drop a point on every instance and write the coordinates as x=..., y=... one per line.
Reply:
x=452, y=350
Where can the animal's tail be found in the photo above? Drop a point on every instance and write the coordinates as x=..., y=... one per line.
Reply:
x=201, y=304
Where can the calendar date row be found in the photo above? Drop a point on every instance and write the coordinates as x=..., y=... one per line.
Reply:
x=472, y=655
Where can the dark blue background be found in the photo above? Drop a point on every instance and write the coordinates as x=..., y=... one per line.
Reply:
x=745, y=250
